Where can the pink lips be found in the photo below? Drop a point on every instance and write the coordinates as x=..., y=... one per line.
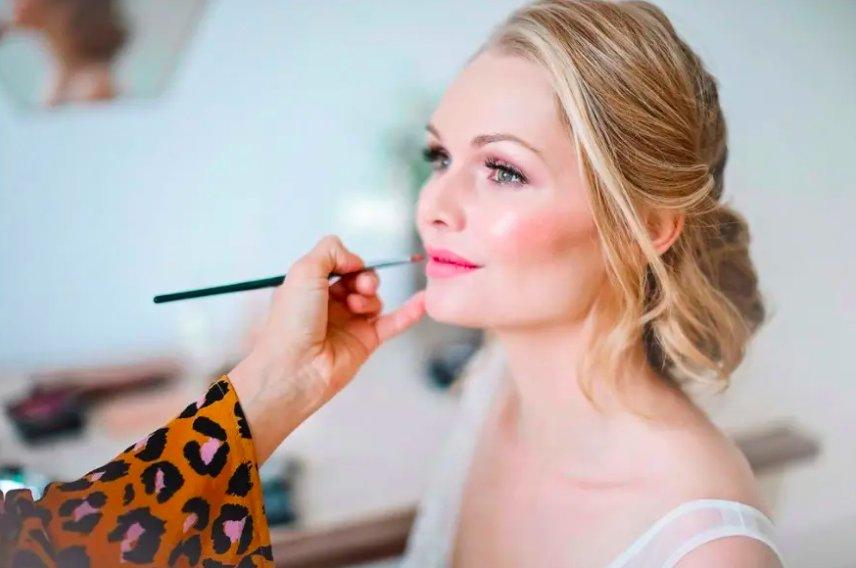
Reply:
x=443, y=263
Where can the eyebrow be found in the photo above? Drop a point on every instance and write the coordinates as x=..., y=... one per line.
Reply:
x=483, y=139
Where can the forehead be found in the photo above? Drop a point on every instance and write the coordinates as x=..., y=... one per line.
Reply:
x=500, y=93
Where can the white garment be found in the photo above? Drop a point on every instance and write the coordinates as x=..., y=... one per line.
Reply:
x=675, y=534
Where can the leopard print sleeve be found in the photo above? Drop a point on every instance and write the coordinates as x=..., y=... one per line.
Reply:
x=188, y=494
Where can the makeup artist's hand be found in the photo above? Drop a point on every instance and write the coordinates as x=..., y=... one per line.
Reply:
x=314, y=341
x=333, y=329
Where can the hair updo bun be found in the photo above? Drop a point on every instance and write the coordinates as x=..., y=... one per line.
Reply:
x=645, y=119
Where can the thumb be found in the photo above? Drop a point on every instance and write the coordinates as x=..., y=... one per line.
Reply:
x=389, y=325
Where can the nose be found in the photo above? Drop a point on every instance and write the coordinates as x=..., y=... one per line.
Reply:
x=442, y=203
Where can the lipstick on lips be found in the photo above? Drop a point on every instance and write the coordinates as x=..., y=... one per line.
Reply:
x=443, y=263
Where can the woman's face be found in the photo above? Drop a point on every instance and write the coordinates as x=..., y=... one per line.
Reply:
x=517, y=209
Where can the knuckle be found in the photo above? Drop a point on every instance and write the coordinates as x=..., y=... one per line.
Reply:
x=330, y=239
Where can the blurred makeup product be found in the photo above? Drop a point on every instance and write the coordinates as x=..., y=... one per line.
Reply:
x=270, y=282
x=279, y=488
x=446, y=361
x=58, y=402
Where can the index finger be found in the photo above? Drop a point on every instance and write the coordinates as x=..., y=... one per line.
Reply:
x=328, y=256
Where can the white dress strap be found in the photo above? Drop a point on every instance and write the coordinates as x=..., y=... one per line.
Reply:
x=692, y=524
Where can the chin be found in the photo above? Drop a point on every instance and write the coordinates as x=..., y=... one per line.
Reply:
x=453, y=307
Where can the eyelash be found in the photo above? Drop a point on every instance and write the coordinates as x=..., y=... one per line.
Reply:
x=432, y=154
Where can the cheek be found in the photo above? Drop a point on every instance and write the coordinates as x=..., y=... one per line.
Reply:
x=528, y=235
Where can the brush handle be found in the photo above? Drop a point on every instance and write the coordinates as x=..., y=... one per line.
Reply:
x=224, y=289
x=262, y=283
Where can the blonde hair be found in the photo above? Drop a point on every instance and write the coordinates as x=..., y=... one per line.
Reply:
x=649, y=134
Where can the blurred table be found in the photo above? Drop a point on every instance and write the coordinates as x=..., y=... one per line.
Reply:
x=366, y=452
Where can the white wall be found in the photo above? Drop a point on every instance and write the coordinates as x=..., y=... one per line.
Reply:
x=271, y=130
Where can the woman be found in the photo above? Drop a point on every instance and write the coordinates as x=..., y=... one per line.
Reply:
x=189, y=493
x=84, y=37
x=579, y=161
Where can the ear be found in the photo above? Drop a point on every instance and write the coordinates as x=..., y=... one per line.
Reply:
x=664, y=226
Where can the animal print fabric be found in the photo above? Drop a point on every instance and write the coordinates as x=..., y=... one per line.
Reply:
x=188, y=494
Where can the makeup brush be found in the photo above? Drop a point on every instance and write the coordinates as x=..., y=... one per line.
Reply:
x=272, y=281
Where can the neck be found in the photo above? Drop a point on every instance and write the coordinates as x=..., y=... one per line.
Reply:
x=546, y=409
x=95, y=77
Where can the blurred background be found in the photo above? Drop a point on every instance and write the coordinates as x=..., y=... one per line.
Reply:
x=152, y=146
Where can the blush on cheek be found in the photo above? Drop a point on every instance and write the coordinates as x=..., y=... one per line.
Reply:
x=543, y=234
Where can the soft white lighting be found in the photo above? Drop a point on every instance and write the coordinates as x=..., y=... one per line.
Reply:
x=379, y=215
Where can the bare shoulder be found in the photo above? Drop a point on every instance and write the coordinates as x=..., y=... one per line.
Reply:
x=698, y=461
x=732, y=551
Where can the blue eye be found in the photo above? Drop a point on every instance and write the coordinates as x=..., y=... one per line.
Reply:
x=513, y=176
x=508, y=174
x=432, y=155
